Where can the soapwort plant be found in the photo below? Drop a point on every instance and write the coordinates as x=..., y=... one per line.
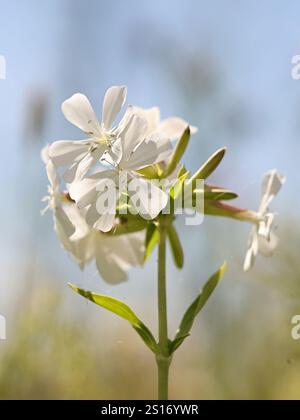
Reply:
x=116, y=194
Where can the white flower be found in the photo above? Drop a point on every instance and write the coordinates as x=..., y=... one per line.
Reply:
x=81, y=156
x=171, y=128
x=262, y=238
x=135, y=152
x=69, y=224
x=113, y=256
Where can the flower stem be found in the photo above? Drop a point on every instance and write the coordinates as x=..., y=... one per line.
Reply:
x=162, y=359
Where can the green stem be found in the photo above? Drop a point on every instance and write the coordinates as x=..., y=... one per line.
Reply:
x=163, y=359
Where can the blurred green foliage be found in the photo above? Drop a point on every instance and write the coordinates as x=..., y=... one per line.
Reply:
x=236, y=351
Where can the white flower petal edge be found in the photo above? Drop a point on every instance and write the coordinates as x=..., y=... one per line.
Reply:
x=114, y=99
x=262, y=238
x=117, y=255
x=171, y=128
x=79, y=111
x=80, y=156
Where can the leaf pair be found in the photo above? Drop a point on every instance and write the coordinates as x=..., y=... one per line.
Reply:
x=124, y=311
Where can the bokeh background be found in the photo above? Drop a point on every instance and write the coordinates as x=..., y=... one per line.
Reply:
x=226, y=67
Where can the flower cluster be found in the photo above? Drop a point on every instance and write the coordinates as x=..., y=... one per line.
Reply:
x=118, y=230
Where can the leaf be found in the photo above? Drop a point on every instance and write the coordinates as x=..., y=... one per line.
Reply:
x=210, y=165
x=152, y=237
x=177, y=188
x=152, y=172
x=178, y=153
x=182, y=171
x=173, y=345
x=191, y=313
x=217, y=208
x=218, y=193
x=122, y=310
x=176, y=247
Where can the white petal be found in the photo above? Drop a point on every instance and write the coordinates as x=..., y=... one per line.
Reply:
x=252, y=249
x=265, y=226
x=151, y=115
x=152, y=150
x=63, y=227
x=145, y=154
x=108, y=268
x=147, y=198
x=45, y=153
x=79, y=112
x=271, y=185
x=249, y=259
x=85, y=192
x=91, y=215
x=174, y=127
x=113, y=101
x=116, y=255
x=53, y=176
x=131, y=248
x=267, y=247
x=77, y=220
x=89, y=161
x=65, y=152
x=131, y=137
x=105, y=222
x=164, y=147
x=81, y=250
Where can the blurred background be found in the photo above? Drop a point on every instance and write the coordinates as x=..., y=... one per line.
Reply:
x=225, y=66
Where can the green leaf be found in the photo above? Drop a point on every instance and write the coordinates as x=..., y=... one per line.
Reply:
x=210, y=165
x=177, y=188
x=152, y=237
x=217, y=193
x=191, y=313
x=217, y=208
x=178, y=153
x=122, y=310
x=176, y=247
x=173, y=345
x=182, y=171
x=153, y=171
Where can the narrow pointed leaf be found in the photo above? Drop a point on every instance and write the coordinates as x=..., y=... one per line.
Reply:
x=191, y=313
x=182, y=171
x=218, y=193
x=122, y=310
x=178, y=153
x=177, y=188
x=152, y=172
x=210, y=165
x=176, y=247
x=152, y=237
x=217, y=208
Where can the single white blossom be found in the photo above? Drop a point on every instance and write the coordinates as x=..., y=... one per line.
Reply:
x=80, y=156
x=262, y=238
x=136, y=151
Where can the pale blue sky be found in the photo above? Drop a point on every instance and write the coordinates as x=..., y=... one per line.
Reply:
x=63, y=46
